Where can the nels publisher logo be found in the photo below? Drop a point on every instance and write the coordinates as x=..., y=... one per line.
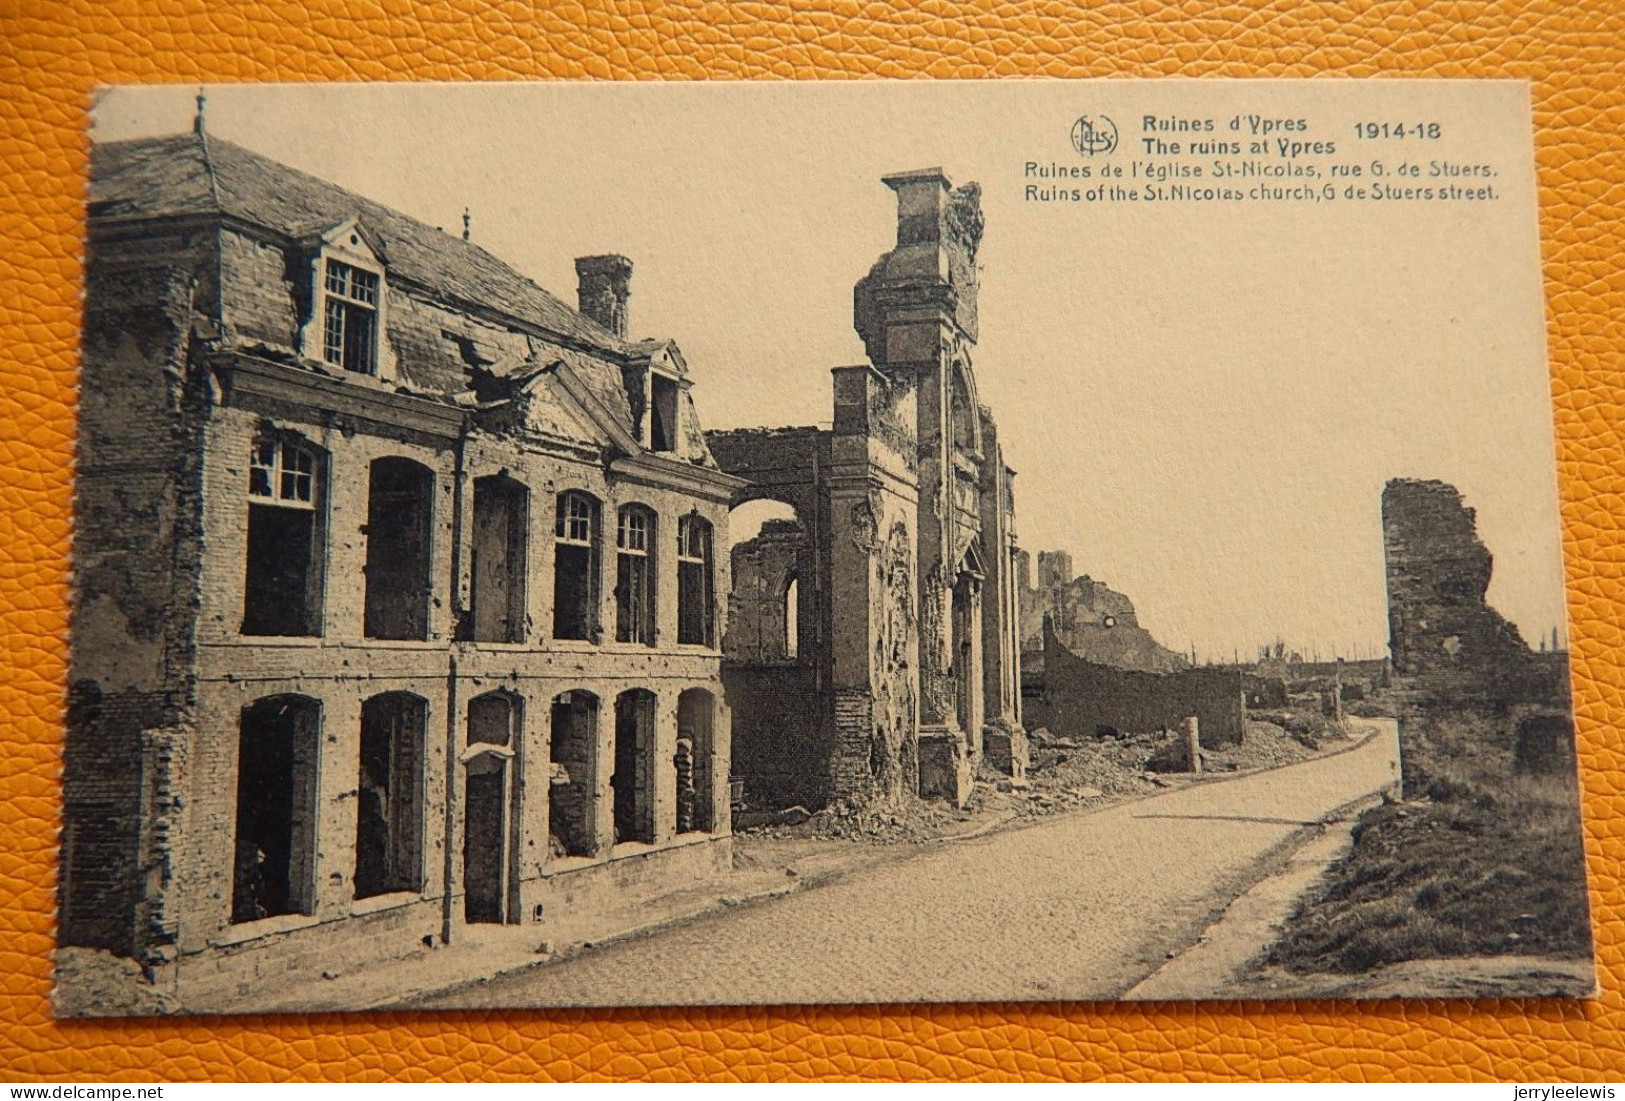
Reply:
x=1094, y=135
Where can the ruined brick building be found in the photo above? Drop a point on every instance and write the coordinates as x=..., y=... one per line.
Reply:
x=872, y=650
x=1459, y=668
x=399, y=583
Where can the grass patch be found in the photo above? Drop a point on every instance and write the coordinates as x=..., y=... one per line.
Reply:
x=1480, y=866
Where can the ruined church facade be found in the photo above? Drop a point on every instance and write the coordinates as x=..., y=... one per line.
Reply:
x=873, y=643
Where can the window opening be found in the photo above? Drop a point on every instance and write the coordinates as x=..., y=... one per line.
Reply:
x=275, y=835
x=491, y=720
x=485, y=838
x=963, y=415
x=498, y=560
x=695, y=762
x=491, y=808
x=632, y=784
x=663, y=423
x=282, y=590
x=575, y=567
x=400, y=505
x=389, y=795
x=695, y=624
x=350, y=322
x=634, y=577
x=573, y=749
x=792, y=617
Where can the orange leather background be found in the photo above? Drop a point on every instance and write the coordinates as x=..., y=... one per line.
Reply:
x=53, y=53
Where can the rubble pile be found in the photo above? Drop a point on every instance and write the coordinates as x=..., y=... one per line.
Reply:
x=1065, y=774
x=1270, y=744
x=882, y=823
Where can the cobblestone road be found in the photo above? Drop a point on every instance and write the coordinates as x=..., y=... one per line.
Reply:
x=1080, y=907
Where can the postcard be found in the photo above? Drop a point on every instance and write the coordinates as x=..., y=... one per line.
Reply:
x=690, y=544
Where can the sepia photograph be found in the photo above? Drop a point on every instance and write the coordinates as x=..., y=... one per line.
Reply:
x=724, y=544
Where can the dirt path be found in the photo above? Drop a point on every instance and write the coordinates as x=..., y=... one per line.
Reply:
x=1079, y=907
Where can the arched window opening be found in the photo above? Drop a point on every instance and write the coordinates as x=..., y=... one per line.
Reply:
x=389, y=795
x=400, y=511
x=274, y=853
x=695, y=621
x=635, y=575
x=632, y=784
x=575, y=567
x=572, y=768
x=695, y=762
x=282, y=593
x=501, y=519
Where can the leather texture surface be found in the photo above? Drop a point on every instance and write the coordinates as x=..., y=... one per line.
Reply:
x=52, y=55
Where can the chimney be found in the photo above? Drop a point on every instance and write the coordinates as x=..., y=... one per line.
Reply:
x=603, y=286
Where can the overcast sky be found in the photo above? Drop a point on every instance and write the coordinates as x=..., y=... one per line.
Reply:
x=1202, y=402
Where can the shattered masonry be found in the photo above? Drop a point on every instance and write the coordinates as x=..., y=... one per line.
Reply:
x=400, y=585
x=1452, y=652
x=906, y=659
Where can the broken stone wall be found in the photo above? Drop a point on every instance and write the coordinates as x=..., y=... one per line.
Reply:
x=136, y=535
x=1081, y=698
x=1438, y=573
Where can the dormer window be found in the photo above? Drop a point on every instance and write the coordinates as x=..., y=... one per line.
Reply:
x=350, y=318
x=663, y=413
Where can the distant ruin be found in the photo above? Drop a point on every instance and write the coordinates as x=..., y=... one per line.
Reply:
x=1460, y=668
x=1093, y=621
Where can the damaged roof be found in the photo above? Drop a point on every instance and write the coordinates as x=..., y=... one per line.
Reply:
x=198, y=174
